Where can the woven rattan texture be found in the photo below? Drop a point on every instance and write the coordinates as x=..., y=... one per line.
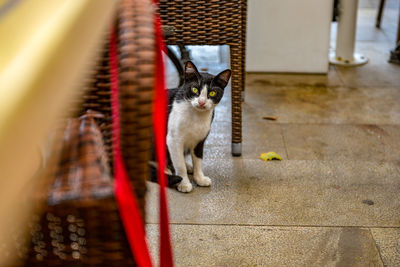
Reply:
x=136, y=76
x=97, y=96
x=79, y=234
x=136, y=54
x=80, y=224
x=82, y=172
x=212, y=22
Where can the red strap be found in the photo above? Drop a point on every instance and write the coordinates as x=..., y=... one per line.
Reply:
x=126, y=199
x=159, y=121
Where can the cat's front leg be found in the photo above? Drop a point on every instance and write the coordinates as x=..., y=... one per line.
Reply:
x=197, y=158
x=176, y=152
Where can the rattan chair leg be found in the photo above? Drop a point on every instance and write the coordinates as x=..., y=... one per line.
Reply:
x=244, y=30
x=237, y=79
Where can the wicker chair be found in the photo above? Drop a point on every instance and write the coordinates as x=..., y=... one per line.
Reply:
x=79, y=223
x=213, y=22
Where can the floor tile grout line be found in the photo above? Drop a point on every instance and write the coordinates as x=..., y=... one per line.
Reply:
x=281, y=226
x=343, y=84
x=377, y=247
x=264, y=122
x=307, y=123
x=332, y=124
x=284, y=142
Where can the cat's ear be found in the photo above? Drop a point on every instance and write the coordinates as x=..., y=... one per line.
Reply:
x=223, y=78
x=190, y=69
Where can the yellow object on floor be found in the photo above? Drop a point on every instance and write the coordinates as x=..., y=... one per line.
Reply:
x=270, y=156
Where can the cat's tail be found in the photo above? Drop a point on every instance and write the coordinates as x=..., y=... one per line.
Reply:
x=173, y=180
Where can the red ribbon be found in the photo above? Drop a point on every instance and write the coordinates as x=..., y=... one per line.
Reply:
x=160, y=122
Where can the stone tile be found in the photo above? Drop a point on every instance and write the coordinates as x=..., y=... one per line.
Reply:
x=307, y=104
x=389, y=27
x=289, y=192
x=392, y=4
x=252, y=113
x=257, y=138
x=229, y=167
x=272, y=79
x=340, y=148
x=364, y=4
x=253, y=133
x=223, y=111
x=389, y=4
x=254, y=109
x=333, y=142
x=377, y=73
x=366, y=30
x=210, y=245
x=220, y=134
x=388, y=242
x=249, y=151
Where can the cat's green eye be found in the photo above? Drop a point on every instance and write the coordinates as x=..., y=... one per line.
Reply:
x=212, y=93
x=195, y=90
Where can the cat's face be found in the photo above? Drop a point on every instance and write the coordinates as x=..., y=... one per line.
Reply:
x=204, y=91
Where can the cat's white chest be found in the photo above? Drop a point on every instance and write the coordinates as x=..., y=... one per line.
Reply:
x=188, y=126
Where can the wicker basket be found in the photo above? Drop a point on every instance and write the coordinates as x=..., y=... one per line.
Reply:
x=213, y=22
x=79, y=224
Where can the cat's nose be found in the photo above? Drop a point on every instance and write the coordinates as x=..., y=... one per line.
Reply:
x=202, y=103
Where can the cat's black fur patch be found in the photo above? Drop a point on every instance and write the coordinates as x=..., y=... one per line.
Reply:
x=198, y=150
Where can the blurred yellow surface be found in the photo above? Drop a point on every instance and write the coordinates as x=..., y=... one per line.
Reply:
x=46, y=47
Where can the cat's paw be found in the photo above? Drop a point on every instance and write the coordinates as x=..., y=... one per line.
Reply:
x=203, y=181
x=189, y=168
x=185, y=187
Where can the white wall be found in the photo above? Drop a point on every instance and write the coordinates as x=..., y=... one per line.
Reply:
x=288, y=35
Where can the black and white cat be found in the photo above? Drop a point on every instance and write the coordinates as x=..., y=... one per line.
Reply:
x=190, y=113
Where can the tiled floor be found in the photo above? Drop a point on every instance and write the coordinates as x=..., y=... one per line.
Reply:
x=334, y=199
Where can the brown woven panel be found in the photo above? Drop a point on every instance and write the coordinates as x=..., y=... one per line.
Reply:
x=74, y=234
x=212, y=22
x=97, y=95
x=78, y=234
x=136, y=75
x=136, y=54
x=82, y=172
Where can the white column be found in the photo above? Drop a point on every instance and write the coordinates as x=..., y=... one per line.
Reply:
x=346, y=36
